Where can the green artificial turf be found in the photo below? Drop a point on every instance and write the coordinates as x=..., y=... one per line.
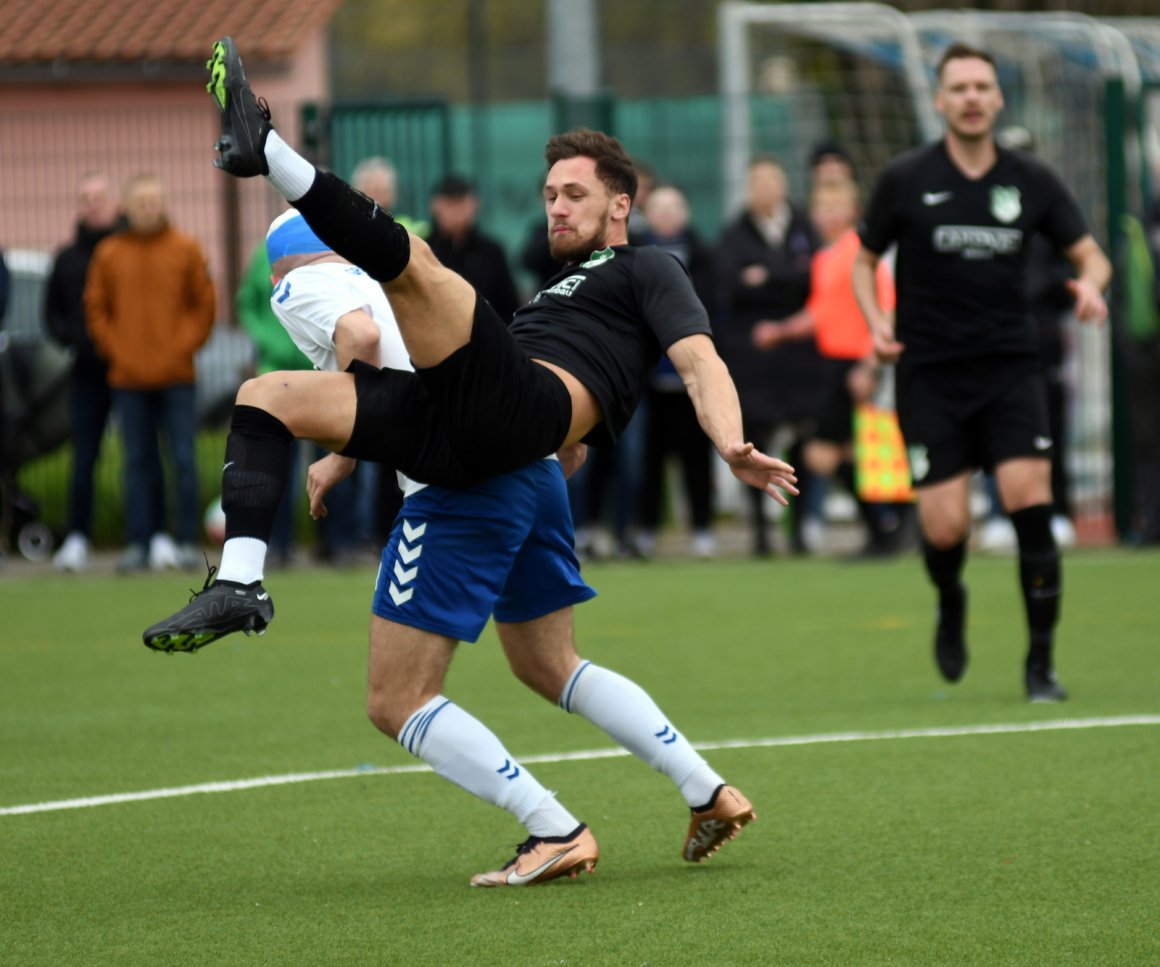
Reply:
x=1020, y=848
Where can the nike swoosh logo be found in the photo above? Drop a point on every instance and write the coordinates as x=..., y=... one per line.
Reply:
x=930, y=198
x=263, y=597
x=521, y=879
x=227, y=466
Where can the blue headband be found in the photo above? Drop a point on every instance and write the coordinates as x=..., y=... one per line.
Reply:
x=290, y=235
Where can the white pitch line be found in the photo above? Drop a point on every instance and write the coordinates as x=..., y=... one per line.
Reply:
x=237, y=785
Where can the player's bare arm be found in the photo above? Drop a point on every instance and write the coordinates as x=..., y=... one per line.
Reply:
x=1093, y=274
x=714, y=397
x=881, y=323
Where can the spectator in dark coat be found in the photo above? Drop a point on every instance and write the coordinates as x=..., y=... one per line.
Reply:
x=672, y=422
x=90, y=396
x=763, y=275
x=459, y=244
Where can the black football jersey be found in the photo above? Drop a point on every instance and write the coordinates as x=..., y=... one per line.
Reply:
x=963, y=246
x=607, y=320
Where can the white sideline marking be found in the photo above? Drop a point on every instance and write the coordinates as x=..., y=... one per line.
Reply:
x=236, y=785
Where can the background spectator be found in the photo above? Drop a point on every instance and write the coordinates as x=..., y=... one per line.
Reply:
x=458, y=243
x=90, y=399
x=1141, y=347
x=149, y=303
x=4, y=287
x=763, y=276
x=671, y=427
x=843, y=339
x=377, y=178
x=830, y=162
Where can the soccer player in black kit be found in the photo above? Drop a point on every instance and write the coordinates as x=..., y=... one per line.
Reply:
x=969, y=391
x=485, y=400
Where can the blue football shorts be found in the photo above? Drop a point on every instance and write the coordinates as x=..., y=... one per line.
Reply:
x=505, y=547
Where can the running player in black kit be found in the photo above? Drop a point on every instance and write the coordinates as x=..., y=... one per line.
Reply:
x=969, y=393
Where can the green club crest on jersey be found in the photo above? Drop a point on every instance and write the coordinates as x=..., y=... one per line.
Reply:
x=597, y=257
x=919, y=459
x=1005, y=204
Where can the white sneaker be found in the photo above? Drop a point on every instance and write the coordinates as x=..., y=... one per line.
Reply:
x=1063, y=530
x=73, y=554
x=997, y=536
x=704, y=545
x=188, y=557
x=813, y=535
x=162, y=552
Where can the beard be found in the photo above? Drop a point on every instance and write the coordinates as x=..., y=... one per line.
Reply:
x=574, y=248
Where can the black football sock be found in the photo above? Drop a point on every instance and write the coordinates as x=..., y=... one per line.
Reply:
x=944, y=565
x=1040, y=579
x=355, y=227
x=254, y=476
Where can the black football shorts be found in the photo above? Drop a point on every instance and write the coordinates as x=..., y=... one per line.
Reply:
x=971, y=413
x=484, y=410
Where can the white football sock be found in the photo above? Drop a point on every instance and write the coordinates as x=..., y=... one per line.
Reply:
x=243, y=560
x=462, y=749
x=290, y=173
x=624, y=710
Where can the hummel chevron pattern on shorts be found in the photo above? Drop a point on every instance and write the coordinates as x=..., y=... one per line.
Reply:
x=542, y=858
x=400, y=589
x=717, y=822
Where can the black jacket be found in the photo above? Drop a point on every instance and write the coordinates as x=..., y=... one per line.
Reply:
x=4, y=286
x=64, y=307
x=482, y=262
x=785, y=384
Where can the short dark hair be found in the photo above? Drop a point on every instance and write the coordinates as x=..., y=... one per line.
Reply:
x=614, y=167
x=961, y=51
x=452, y=185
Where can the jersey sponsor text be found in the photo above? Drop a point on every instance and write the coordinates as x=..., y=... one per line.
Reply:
x=977, y=241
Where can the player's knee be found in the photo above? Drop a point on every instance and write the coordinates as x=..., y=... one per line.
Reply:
x=383, y=715
x=945, y=532
x=546, y=679
x=258, y=391
x=425, y=277
x=422, y=258
x=945, y=522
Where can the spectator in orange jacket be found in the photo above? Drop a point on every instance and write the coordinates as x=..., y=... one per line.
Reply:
x=149, y=306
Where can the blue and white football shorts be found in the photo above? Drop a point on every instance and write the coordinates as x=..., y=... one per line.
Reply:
x=503, y=547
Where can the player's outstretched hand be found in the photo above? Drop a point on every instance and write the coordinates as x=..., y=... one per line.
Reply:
x=752, y=467
x=324, y=474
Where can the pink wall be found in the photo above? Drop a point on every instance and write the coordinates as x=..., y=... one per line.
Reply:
x=51, y=134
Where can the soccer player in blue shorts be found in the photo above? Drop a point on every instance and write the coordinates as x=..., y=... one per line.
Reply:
x=455, y=557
